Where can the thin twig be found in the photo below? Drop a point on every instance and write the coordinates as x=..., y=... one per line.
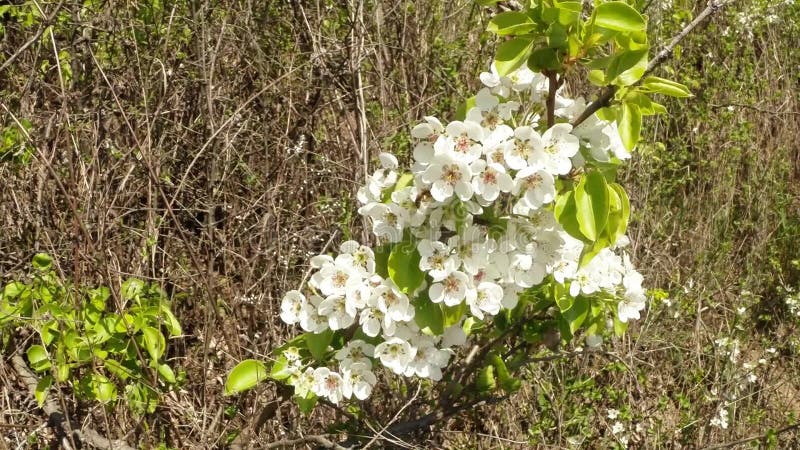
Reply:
x=755, y=438
x=609, y=91
x=312, y=439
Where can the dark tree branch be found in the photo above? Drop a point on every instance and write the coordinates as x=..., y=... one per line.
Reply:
x=552, y=87
x=609, y=91
x=313, y=439
x=755, y=438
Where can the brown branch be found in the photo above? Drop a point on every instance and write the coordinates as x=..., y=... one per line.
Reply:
x=552, y=87
x=755, y=438
x=609, y=91
x=313, y=439
x=427, y=420
x=57, y=419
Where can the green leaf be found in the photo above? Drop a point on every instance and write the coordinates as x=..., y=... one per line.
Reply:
x=591, y=201
x=166, y=373
x=103, y=389
x=306, y=403
x=667, y=87
x=485, y=381
x=118, y=370
x=245, y=375
x=38, y=358
x=280, y=369
x=619, y=212
x=507, y=382
x=382, y=259
x=646, y=106
x=566, y=213
x=170, y=321
x=556, y=37
x=591, y=250
x=132, y=288
x=512, y=54
x=63, y=371
x=544, y=59
x=141, y=398
x=597, y=77
x=577, y=314
x=627, y=67
x=630, y=125
x=154, y=343
x=428, y=315
x=14, y=290
x=318, y=343
x=619, y=16
x=41, y=389
x=510, y=22
x=404, y=268
x=42, y=261
x=453, y=314
x=569, y=12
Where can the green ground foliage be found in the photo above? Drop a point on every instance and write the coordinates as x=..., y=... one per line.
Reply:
x=209, y=148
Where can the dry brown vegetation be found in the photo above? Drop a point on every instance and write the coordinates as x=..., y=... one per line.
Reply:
x=214, y=147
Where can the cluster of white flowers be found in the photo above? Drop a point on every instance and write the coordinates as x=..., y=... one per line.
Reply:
x=720, y=420
x=758, y=14
x=477, y=206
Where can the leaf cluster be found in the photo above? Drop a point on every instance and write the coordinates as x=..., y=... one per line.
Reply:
x=82, y=341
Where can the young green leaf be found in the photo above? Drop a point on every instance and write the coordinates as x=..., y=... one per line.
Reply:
x=511, y=54
x=40, y=393
x=667, y=87
x=306, y=403
x=627, y=67
x=630, y=125
x=244, y=376
x=485, y=381
x=42, y=261
x=619, y=16
x=318, y=343
x=103, y=389
x=38, y=358
x=428, y=315
x=280, y=369
x=591, y=201
x=544, y=59
x=404, y=268
x=154, y=343
x=619, y=213
x=566, y=214
x=577, y=314
x=510, y=22
x=166, y=373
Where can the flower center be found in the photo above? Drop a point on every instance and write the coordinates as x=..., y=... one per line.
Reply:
x=533, y=181
x=340, y=279
x=451, y=285
x=451, y=174
x=522, y=149
x=490, y=177
x=463, y=143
